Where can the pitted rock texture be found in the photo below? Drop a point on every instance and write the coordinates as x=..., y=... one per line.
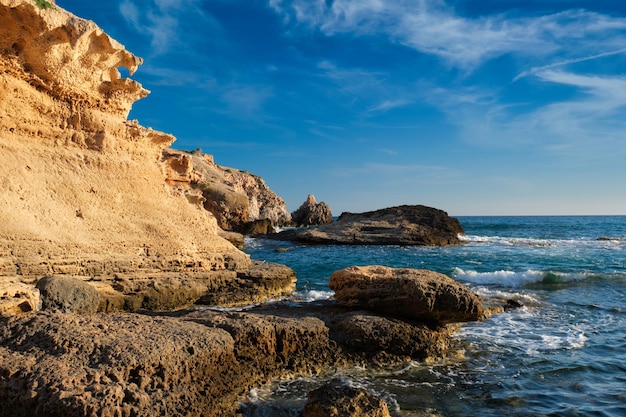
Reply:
x=84, y=190
x=416, y=294
x=115, y=365
x=18, y=298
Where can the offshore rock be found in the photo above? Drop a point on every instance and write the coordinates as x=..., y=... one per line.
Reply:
x=312, y=213
x=404, y=292
x=402, y=225
x=68, y=294
x=339, y=398
x=233, y=196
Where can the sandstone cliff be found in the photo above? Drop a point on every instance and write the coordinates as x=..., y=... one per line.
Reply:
x=83, y=188
x=235, y=197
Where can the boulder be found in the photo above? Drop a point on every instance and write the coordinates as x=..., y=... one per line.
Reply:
x=18, y=298
x=404, y=292
x=380, y=337
x=258, y=283
x=256, y=227
x=340, y=398
x=67, y=294
x=312, y=213
x=402, y=225
x=118, y=364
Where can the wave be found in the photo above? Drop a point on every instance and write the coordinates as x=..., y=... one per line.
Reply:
x=516, y=279
x=599, y=242
x=509, y=241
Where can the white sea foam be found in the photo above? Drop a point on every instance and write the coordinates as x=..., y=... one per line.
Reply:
x=515, y=279
x=311, y=295
x=508, y=241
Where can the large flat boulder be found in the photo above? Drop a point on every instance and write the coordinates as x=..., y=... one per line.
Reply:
x=404, y=292
x=401, y=225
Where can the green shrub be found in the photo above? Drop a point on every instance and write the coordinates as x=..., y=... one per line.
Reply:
x=44, y=4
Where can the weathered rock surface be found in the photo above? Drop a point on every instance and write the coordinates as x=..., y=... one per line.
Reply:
x=115, y=365
x=18, y=298
x=339, y=398
x=312, y=213
x=234, y=197
x=83, y=188
x=191, y=363
x=402, y=225
x=68, y=294
x=404, y=292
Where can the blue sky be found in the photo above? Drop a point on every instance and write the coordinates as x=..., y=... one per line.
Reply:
x=473, y=107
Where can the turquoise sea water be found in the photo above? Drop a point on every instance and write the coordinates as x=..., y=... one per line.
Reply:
x=562, y=354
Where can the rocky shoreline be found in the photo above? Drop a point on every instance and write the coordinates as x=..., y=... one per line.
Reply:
x=111, y=239
x=200, y=362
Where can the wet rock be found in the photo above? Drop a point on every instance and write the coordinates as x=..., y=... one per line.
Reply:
x=68, y=295
x=403, y=292
x=339, y=398
x=380, y=337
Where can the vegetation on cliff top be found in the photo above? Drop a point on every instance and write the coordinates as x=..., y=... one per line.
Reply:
x=44, y=4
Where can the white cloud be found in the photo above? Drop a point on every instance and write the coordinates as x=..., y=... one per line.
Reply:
x=432, y=27
x=159, y=20
x=246, y=100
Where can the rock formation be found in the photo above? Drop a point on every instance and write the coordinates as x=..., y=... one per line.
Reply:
x=85, y=204
x=338, y=398
x=83, y=188
x=235, y=197
x=193, y=363
x=404, y=292
x=312, y=213
x=402, y=225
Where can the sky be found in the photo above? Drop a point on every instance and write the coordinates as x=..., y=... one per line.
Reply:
x=494, y=107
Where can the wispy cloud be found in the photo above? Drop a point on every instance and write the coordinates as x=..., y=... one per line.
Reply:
x=535, y=70
x=160, y=20
x=432, y=27
x=417, y=173
x=246, y=100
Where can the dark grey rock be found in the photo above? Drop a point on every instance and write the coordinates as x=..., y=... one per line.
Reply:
x=67, y=294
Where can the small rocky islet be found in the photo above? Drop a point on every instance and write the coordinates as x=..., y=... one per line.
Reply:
x=109, y=236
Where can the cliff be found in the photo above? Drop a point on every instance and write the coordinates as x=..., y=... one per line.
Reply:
x=233, y=196
x=84, y=190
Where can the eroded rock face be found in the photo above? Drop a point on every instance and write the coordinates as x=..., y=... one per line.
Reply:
x=83, y=187
x=312, y=213
x=404, y=292
x=115, y=365
x=402, y=225
x=18, y=298
x=236, y=198
x=339, y=398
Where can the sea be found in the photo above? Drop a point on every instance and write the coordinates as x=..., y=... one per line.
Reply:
x=562, y=353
